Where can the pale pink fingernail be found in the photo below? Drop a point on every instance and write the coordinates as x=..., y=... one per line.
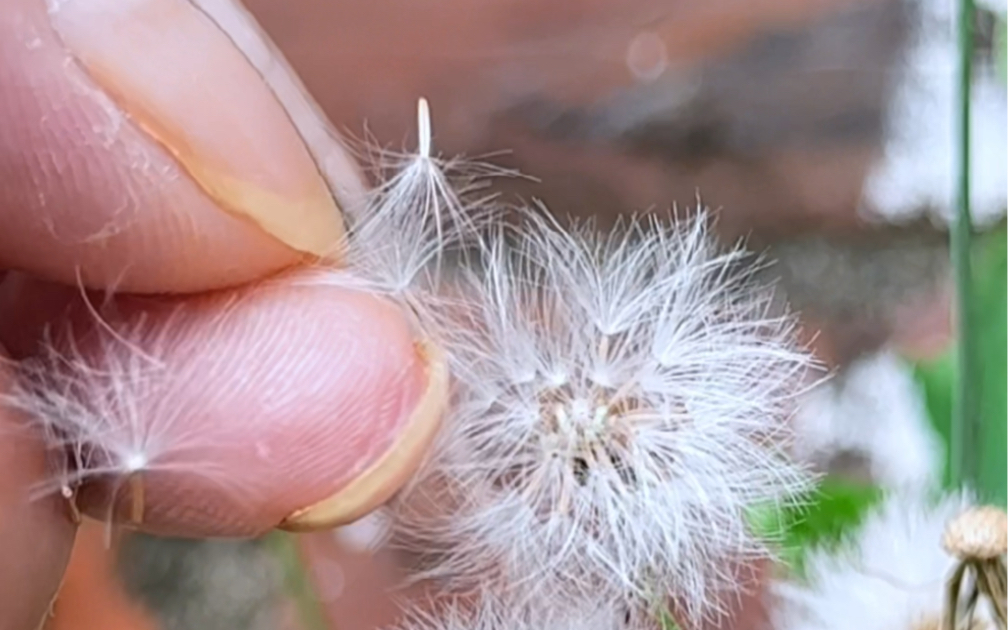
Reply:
x=181, y=78
x=382, y=479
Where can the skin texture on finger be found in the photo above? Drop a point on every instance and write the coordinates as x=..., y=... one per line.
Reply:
x=35, y=536
x=266, y=402
x=143, y=150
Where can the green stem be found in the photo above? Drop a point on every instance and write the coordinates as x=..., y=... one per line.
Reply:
x=966, y=421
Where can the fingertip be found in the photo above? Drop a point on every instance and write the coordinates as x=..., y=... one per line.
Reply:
x=278, y=400
x=186, y=83
x=93, y=596
x=392, y=470
x=184, y=168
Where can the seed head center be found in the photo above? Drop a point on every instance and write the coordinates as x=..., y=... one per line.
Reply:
x=589, y=431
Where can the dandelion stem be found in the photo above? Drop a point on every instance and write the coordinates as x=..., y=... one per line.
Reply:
x=964, y=446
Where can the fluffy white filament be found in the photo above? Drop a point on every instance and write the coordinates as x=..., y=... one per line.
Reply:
x=492, y=612
x=890, y=576
x=423, y=207
x=111, y=416
x=621, y=402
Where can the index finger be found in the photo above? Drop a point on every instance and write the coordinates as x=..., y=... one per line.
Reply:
x=159, y=146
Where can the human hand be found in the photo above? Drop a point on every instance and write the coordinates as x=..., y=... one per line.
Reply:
x=161, y=149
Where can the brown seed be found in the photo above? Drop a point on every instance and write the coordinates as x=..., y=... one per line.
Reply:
x=980, y=533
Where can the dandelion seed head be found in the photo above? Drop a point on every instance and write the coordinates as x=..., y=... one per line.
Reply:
x=890, y=575
x=621, y=401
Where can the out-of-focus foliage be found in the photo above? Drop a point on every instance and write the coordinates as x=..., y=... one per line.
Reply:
x=668, y=623
x=820, y=520
x=1001, y=47
x=990, y=313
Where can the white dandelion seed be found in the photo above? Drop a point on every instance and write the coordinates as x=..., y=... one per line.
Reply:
x=621, y=401
x=108, y=415
x=423, y=207
x=891, y=575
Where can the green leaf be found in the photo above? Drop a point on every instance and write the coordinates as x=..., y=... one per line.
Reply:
x=667, y=622
x=937, y=378
x=991, y=321
x=821, y=519
x=1001, y=47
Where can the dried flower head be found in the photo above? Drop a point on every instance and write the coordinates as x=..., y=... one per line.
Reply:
x=980, y=533
x=978, y=539
x=621, y=401
x=891, y=575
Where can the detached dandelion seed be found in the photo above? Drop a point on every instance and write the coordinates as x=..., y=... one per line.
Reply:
x=621, y=401
x=422, y=208
x=106, y=418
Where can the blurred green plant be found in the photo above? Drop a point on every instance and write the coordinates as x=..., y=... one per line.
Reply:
x=821, y=519
x=964, y=434
x=938, y=377
x=1001, y=46
x=667, y=622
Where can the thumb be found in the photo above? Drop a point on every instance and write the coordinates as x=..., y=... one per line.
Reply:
x=289, y=403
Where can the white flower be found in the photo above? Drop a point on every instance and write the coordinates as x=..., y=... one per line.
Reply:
x=621, y=402
x=890, y=576
x=874, y=408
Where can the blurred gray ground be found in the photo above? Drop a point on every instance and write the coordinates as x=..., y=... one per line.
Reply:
x=204, y=585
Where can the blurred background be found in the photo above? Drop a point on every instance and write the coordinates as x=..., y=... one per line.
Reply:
x=822, y=131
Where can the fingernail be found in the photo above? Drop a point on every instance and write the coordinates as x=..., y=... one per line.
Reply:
x=386, y=476
x=183, y=80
